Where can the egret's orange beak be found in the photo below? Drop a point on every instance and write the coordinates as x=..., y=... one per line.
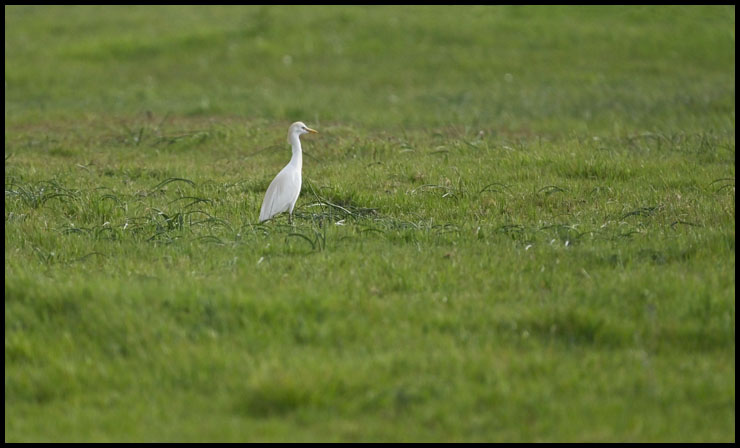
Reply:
x=311, y=130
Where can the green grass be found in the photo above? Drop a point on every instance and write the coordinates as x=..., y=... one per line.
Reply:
x=516, y=224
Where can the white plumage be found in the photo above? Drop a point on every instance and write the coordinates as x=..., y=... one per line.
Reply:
x=283, y=191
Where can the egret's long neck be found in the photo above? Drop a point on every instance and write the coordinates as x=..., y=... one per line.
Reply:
x=295, y=142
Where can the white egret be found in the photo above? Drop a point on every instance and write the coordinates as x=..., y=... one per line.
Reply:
x=283, y=191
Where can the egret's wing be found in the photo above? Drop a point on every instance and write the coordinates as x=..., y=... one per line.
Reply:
x=280, y=194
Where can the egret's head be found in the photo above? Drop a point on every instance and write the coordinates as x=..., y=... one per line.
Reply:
x=298, y=128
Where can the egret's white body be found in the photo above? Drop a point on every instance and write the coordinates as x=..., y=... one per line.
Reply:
x=283, y=191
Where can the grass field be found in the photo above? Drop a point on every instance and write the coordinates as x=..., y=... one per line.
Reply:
x=516, y=224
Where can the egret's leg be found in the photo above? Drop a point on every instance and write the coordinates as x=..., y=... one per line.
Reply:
x=290, y=218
